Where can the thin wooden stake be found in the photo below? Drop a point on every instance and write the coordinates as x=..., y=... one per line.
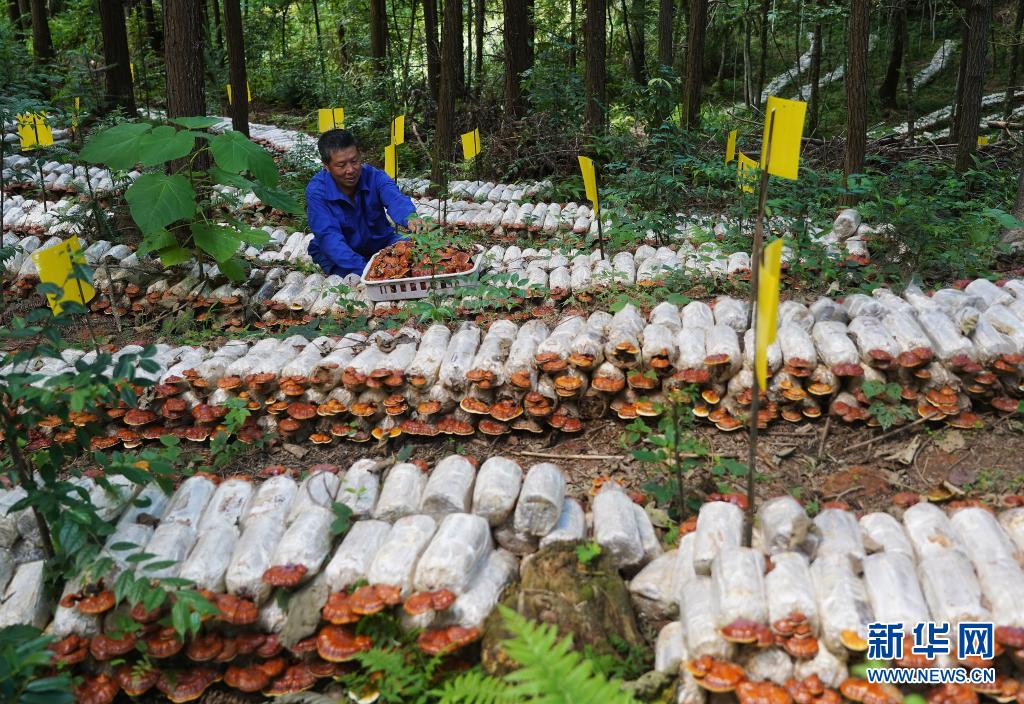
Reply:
x=755, y=404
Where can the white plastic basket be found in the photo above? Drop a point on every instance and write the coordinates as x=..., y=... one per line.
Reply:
x=413, y=287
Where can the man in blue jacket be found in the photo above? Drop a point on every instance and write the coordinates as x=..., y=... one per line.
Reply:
x=346, y=204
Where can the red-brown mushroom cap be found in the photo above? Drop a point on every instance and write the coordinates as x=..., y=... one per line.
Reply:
x=445, y=640
x=297, y=678
x=492, y=427
x=366, y=600
x=136, y=679
x=96, y=603
x=205, y=647
x=235, y=610
x=70, y=650
x=285, y=575
x=301, y=411
x=197, y=433
x=1010, y=636
x=858, y=690
x=186, y=685
x=247, y=679
x=270, y=648
x=138, y=417
x=205, y=413
x=288, y=426
x=98, y=689
x=762, y=693
x=338, y=644
x=743, y=631
x=338, y=611
x=164, y=643
x=951, y=694
x=715, y=675
x=423, y=602
x=103, y=647
x=801, y=647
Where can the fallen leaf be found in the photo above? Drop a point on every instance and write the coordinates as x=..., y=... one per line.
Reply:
x=296, y=451
x=905, y=454
x=951, y=441
x=962, y=474
x=659, y=517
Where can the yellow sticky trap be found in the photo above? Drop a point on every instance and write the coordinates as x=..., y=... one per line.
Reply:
x=131, y=67
x=589, y=179
x=227, y=87
x=730, y=147
x=471, y=144
x=746, y=169
x=330, y=119
x=33, y=131
x=398, y=130
x=786, y=135
x=75, y=113
x=56, y=266
x=390, y=160
x=768, y=279
x=983, y=140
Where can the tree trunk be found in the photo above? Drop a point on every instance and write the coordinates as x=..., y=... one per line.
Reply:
x=481, y=17
x=891, y=82
x=459, y=48
x=444, y=134
x=748, y=80
x=284, y=27
x=153, y=30
x=217, y=34
x=516, y=55
x=342, y=47
x=320, y=40
x=18, y=21
x=1016, y=235
x=690, y=117
x=856, y=88
x=1015, y=57
x=814, y=105
x=378, y=35
x=42, y=42
x=468, y=70
x=762, y=66
x=119, y=92
x=594, y=69
x=433, y=49
x=531, y=31
x=908, y=81
x=183, y=58
x=572, y=35
x=969, y=110
x=638, y=44
x=955, y=121
x=236, y=66
x=665, y=11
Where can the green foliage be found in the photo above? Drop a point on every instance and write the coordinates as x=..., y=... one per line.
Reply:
x=175, y=211
x=588, y=552
x=24, y=660
x=550, y=671
x=342, y=519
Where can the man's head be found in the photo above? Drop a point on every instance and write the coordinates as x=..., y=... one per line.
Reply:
x=339, y=152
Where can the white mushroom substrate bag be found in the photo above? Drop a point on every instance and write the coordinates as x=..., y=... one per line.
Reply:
x=782, y=525
x=571, y=526
x=227, y=504
x=893, y=588
x=699, y=615
x=472, y=606
x=306, y=542
x=263, y=526
x=318, y=490
x=615, y=528
x=930, y=531
x=359, y=488
x=496, y=489
x=208, y=562
x=654, y=590
x=353, y=557
x=540, y=500
x=737, y=586
x=401, y=492
x=456, y=551
x=842, y=601
x=719, y=525
x=670, y=648
x=881, y=532
x=449, y=488
x=396, y=559
x=840, y=535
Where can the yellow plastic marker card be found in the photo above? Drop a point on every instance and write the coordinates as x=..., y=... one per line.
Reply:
x=131, y=67
x=471, y=144
x=55, y=266
x=75, y=113
x=398, y=130
x=248, y=92
x=330, y=119
x=33, y=131
x=730, y=147
x=786, y=133
x=746, y=168
x=767, y=308
x=983, y=140
x=589, y=179
x=390, y=160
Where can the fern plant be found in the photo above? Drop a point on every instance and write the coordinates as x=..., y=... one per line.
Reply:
x=550, y=672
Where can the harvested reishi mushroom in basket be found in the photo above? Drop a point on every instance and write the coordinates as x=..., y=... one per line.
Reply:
x=401, y=260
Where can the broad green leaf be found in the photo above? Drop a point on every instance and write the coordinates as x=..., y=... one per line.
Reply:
x=174, y=255
x=117, y=147
x=234, y=268
x=227, y=178
x=156, y=241
x=157, y=200
x=234, y=152
x=195, y=123
x=250, y=235
x=276, y=198
x=163, y=144
x=220, y=243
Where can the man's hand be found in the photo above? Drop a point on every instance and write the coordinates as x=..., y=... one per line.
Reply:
x=415, y=225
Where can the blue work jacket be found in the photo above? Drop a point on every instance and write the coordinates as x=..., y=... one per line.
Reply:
x=348, y=231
